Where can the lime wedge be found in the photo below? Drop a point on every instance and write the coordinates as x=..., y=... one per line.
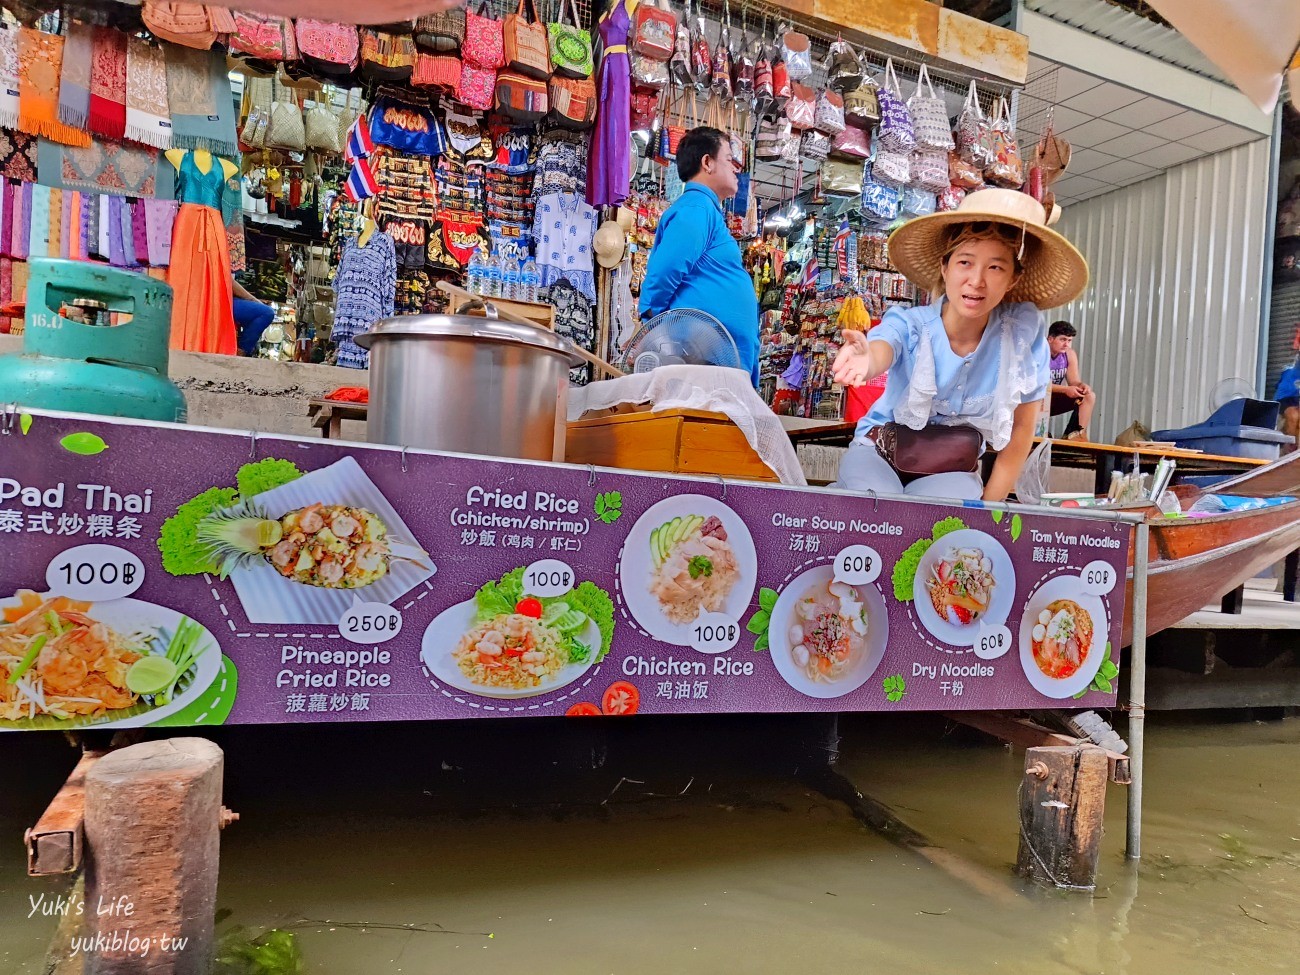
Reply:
x=149, y=675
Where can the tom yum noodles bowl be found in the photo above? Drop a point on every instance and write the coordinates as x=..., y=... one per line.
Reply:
x=1063, y=637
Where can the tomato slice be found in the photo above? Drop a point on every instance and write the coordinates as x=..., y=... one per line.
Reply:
x=529, y=607
x=621, y=698
x=582, y=710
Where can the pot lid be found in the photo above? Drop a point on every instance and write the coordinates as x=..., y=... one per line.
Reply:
x=468, y=327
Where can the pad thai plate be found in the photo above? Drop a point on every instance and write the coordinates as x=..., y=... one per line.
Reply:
x=268, y=597
x=687, y=555
x=1063, y=594
x=130, y=616
x=987, y=599
x=444, y=634
x=864, y=654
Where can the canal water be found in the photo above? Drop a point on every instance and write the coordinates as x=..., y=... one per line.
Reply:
x=690, y=848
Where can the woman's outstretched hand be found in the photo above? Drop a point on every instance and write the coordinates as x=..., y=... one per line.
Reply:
x=852, y=366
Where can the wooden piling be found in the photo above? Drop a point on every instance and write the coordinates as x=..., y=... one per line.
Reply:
x=153, y=814
x=1062, y=801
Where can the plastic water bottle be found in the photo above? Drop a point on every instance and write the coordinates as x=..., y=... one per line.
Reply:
x=510, y=283
x=474, y=273
x=492, y=279
x=531, y=281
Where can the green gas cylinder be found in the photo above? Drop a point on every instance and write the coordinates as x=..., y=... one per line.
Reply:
x=112, y=362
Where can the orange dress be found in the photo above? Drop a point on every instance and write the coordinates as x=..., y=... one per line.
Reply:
x=203, y=316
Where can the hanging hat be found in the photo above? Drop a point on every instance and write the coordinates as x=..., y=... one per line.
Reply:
x=609, y=244
x=1055, y=273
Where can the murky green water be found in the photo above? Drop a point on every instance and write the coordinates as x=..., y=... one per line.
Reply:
x=741, y=872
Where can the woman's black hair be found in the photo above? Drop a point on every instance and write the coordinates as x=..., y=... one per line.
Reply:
x=695, y=145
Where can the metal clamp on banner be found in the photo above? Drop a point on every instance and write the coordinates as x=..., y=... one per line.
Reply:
x=404, y=450
x=724, y=486
x=591, y=475
x=252, y=444
x=7, y=420
x=875, y=499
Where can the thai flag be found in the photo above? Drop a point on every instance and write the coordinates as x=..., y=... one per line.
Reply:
x=359, y=144
x=842, y=248
x=361, y=182
x=811, y=271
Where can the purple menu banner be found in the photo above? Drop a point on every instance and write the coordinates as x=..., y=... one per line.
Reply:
x=155, y=574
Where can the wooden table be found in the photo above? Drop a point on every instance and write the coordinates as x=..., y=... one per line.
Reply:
x=1105, y=459
x=327, y=415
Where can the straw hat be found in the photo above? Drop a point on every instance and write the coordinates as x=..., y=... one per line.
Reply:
x=1055, y=273
x=609, y=243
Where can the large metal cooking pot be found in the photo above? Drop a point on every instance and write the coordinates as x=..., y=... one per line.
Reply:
x=470, y=385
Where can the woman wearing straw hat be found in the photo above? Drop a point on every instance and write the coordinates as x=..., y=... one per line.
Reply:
x=969, y=370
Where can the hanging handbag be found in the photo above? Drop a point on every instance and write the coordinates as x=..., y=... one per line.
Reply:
x=801, y=107
x=970, y=133
x=814, y=144
x=780, y=83
x=829, y=114
x=767, y=147
x=742, y=79
x=477, y=86
x=929, y=115
x=739, y=144
x=520, y=97
x=963, y=173
x=679, y=65
x=764, y=91
x=321, y=126
x=930, y=170
x=285, y=129
x=892, y=168
x=332, y=49
x=385, y=56
x=862, y=107
x=187, y=24
x=258, y=93
x=654, y=30
x=436, y=71
x=526, y=47
x=1007, y=169
x=644, y=110
x=570, y=43
x=573, y=102
x=484, y=45
x=677, y=129
x=950, y=199
x=879, y=200
x=264, y=38
x=842, y=177
x=934, y=449
x=896, y=133
x=649, y=74
x=442, y=33
x=701, y=53
x=723, y=60
x=789, y=140
x=348, y=114
x=796, y=52
x=852, y=144
x=843, y=69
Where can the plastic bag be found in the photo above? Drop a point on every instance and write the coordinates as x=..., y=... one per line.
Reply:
x=1036, y=476
x=1007, y=169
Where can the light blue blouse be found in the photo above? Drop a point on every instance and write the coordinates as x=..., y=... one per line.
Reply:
x=1008, y=367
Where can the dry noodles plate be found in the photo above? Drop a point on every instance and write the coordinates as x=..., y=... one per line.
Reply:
x=67, y=663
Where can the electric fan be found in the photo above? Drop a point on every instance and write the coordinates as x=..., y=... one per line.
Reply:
x=680, y=336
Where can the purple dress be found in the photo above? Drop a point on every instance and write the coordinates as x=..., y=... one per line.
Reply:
x=608, y=175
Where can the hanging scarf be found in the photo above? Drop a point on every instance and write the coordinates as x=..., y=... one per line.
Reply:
x=200, y=101
x=9, y=78
x=108, y=83
x=74, y=82
x=147, y=118
x=159, y=216
x=72, y=239
x=40, y=58
x=38, y=222
x=22, y=222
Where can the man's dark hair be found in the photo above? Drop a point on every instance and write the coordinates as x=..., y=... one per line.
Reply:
x=695, y=145
x=1062, y=328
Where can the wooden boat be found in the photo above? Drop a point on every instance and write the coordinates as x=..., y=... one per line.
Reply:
x=1195, y=561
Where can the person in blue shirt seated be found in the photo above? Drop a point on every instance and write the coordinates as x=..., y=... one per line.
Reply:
x=1288, y=395
x=695, y=262
x=970, y=370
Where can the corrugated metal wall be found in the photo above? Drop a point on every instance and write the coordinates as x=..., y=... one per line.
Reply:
x=1174, y=303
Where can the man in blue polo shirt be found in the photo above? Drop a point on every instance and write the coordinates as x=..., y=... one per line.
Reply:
x=696, y=262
